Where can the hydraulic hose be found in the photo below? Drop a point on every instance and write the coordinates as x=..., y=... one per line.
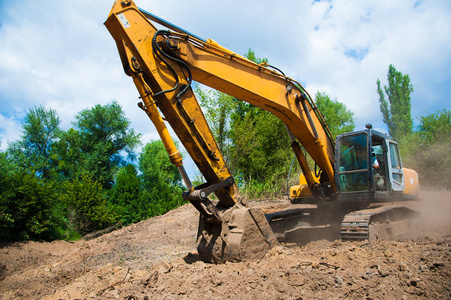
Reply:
x=158, y=51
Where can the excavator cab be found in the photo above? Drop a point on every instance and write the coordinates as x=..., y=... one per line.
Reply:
x=368, y=166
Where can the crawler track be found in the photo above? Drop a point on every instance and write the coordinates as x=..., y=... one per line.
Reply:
x=384, y=222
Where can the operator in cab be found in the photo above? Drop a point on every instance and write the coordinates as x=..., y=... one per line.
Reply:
x=374, y=160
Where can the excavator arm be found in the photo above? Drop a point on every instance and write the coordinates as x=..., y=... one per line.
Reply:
x=163, y=64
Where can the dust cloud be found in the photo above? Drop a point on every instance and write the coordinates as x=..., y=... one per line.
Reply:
x=435, y=209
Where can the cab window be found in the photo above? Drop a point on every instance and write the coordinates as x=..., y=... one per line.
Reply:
x=354, y=153
x=353, y=163
x=394, y=155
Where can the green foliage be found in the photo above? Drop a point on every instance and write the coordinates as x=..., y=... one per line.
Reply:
x=68, y=158
x=103, y=133
x=257, y=189
x=261, y=147
x=396, y=111
x=161, y=179
x=219, y=107
x=26, y=204
x=260, y=152
x=427, y=150
x=253, y=141
x=6, y=197
x=250, y=54
x=127, y=196
x=337, y=116
x=56, y=184
x=87, y=204
x=39, y=131
x=436, y=128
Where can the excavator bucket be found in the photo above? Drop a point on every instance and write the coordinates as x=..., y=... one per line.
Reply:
x=243, y=235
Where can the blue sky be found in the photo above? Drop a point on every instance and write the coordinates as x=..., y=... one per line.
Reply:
x=60, y=55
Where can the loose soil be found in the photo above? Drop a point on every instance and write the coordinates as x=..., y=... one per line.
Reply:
x=157, y=259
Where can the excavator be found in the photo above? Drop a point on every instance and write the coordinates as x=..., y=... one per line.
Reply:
x=343, y=192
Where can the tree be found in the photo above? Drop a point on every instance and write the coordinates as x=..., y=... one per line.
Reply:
x=100, y=137
x=55, y=184
x=218, y=107
x=28, y=193
x=436, y=127
x=250, y=54
x=40, y=130
x=161, y=179
x=224, y=111
x=337, y=116
x=427, y=150
x=242, y=108
x=68, y=158
x=127, y=196
x=87, y=205
x=7, y=205
x=396, y=111
x=27, y=204
x=253, y=141
x=260, y=147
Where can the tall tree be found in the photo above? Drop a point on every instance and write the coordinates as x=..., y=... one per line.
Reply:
x=253, y=141
x=337, y=116
x=260, y=151
x=39, y=132
x=102, y=135
x=396, y=111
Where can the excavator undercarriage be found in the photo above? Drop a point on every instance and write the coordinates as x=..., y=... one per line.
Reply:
x=345, y=221
x=389, y=222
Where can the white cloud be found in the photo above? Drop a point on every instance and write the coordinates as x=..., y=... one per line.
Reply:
x=9, y=131
x=410, y=35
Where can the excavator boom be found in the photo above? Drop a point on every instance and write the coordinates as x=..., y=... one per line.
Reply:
x=163, y=63
x=168, y=61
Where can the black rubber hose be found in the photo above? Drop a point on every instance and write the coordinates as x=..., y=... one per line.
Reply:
x=277, y=69
x=157, y=50
x=182, y=64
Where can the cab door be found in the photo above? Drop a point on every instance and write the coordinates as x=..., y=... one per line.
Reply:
x=396, y=174
x=353, y=165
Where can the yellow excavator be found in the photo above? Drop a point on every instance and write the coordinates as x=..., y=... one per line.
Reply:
x=356, y=175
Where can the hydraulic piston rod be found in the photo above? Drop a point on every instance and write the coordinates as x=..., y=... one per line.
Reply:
x=152, y=111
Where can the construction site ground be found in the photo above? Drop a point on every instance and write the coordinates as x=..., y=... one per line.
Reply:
x=157, y=259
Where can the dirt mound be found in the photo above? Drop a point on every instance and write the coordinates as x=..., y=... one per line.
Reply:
x=156, y=258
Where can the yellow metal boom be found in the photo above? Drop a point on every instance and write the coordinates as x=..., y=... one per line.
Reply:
x=163, y=65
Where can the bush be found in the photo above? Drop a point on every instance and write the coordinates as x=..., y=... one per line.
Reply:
x=427, y=150
x=26, y=208
x=87, y=205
